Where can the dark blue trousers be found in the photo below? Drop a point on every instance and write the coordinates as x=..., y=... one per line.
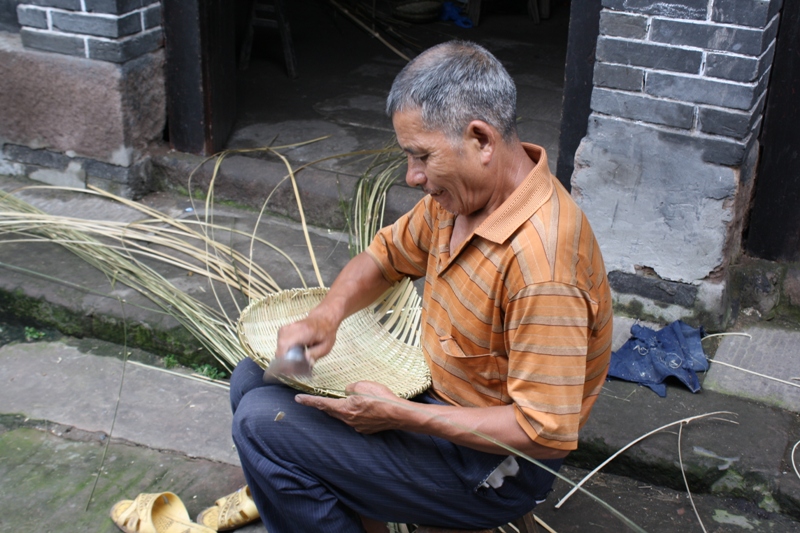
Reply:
x=310, y=472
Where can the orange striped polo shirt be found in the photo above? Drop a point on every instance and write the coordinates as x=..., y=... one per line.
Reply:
x=520, y=313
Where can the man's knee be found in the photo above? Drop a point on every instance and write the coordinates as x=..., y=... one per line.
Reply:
x=245, y=377
x=267, y=416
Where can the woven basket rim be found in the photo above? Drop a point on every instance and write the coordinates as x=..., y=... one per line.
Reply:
x=364, y=350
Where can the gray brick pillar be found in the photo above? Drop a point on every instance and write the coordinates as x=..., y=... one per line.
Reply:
x=82, y=93
x=105, y=30
x=665, y=171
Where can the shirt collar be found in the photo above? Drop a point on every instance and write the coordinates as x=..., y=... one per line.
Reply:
x=526, y=199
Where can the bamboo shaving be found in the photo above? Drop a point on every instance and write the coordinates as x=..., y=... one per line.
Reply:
x=116, y=405
x=686, y=481
x=756, y=373
x=729, y=334
x=192, y=377
x=543, y=524
x=369, y=30
x=563, y=500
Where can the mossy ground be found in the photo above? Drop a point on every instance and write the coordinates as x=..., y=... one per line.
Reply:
x=48, y=476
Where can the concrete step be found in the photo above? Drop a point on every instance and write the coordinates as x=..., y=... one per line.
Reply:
x=749, y=458
x=61, y=399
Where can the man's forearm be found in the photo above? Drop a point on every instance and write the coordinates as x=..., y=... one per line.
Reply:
x=457, y=424
x=358, y=284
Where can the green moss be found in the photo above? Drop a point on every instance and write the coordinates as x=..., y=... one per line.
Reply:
x=17, y=306
x=731, y=483
x=236, y=205
x=635, y=309
x=769, y=504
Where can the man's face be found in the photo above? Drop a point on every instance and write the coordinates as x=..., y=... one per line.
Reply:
x=444, y=168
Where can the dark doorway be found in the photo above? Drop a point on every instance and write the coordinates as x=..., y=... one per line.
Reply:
x=774, y=231
x=344, y=74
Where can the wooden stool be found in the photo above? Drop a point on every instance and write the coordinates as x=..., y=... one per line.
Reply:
x=269, y=14
x=537, y=9
x=524, y=524
x=425, y=529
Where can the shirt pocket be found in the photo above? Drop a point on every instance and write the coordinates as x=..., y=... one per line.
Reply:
x=486, y=373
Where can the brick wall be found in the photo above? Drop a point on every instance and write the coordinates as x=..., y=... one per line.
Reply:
x=104, y=30
x=694, y=68
x=665, y=171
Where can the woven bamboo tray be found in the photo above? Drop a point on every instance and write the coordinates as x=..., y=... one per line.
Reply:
x=368, y=346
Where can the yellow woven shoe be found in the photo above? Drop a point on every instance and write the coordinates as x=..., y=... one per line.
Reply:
x=154, y=513
x=231, y=512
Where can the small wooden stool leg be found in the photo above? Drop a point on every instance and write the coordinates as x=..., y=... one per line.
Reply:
x=474, y=11
x=426, y=529
x=286, y=39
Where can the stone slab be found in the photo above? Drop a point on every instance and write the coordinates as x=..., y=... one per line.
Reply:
x=653, y=508
x=90, y=108
x=677, y=227
x=156, y=410
x=52, y=470
x=768, y=351
x=752, y=445
x=757, y=443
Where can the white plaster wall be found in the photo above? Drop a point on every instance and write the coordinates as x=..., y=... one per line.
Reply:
x=653, y=202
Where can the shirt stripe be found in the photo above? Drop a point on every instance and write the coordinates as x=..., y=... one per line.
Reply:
x=521, y=314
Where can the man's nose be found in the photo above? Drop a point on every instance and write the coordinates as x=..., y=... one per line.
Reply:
x=415, y=174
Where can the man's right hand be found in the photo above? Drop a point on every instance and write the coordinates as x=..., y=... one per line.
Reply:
x=357, y=286
x=316, y=332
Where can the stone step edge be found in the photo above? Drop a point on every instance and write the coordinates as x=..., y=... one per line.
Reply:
x=648, y=469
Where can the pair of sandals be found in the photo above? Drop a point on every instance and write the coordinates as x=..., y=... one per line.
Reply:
x=165, y=513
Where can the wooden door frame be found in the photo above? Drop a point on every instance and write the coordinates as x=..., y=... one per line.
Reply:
x=774, y=229
x=200, y=73
x=584, y=28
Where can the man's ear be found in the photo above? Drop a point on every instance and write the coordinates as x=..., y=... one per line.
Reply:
x=482, y=137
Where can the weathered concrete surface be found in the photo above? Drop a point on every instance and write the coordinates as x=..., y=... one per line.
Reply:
x=49, y=472
x=164, y=420
x=72, y=105
x=675, y=226
x=653, y=508
x=52, y=468
x=157, y=410
x=768, y=351
x=750, y=455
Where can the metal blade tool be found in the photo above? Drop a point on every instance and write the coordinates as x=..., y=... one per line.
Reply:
x=292, y=364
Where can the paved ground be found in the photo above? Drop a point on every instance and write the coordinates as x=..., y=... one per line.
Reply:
x=172, y=433
x=58, y=396
x=75, y=383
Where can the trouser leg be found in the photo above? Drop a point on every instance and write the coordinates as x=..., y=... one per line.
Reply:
x=310, y=472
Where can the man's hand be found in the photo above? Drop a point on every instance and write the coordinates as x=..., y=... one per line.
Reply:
x=316, y=332
x=372, y=407
x=369, y=407
x=357, y=286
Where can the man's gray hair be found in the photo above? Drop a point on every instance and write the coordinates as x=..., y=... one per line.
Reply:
x=453, y=84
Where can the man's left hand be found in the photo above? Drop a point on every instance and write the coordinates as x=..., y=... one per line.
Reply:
x=368, y=408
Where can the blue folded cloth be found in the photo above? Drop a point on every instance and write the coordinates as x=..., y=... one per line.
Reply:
x=452, y=12
x=649, y=357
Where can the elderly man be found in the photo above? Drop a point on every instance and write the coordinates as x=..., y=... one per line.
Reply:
x=516, y=331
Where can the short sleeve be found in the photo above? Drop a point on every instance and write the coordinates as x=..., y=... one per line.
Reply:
x=548, y=331
x=401, y=249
